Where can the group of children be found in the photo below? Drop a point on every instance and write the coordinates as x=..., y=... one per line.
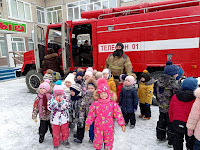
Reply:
x=91, y=101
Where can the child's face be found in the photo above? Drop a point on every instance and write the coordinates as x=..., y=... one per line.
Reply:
x=105, y=76
x=91, y=88
x=72, y=93
x=87, y=77
x=142, y=79
x=79, y=77
x=68, y=84
x=74, y=73
x=174, y=76
x=43, y=91
x=103, y=95
x=127, y=83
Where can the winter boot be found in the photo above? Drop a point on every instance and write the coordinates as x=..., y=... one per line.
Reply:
x=146, y=118
x=77, y=141
x=66, y=144
x=132, y=126
x=91, y=141
x=170, y=145
x=41, y=138
x=55, y=148
x=141, y=116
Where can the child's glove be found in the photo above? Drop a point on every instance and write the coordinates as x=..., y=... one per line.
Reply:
x=190, y=132
x=35, y=120
x=123, y=128
x=87, y=127
x=135, y=108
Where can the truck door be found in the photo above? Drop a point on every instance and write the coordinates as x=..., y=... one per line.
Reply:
x=65, y=34
x=39, y=45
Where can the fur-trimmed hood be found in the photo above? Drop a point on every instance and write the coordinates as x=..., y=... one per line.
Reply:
x=50, y=56
x=91, y=80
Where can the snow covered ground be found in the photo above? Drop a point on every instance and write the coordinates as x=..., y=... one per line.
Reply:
x=19, y=132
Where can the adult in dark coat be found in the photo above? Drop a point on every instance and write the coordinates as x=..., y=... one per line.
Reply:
x=51, y=61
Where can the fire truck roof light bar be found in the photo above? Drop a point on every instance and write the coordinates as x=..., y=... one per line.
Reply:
x=127, y=11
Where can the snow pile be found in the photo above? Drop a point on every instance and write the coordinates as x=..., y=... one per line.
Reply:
x=18, y=131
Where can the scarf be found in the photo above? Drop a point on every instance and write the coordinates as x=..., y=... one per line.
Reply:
x=128, y=87
x=104, y=100
x=75, y=98
x=43, y=99
x=118, y=53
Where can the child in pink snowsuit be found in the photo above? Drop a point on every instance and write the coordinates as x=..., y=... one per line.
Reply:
x=102, y=112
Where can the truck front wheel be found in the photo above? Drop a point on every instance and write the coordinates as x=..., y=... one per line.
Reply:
x=33, y=80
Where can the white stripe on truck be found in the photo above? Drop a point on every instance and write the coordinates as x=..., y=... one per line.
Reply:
x=184, y=43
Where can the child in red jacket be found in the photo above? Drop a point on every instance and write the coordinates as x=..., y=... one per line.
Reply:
x=120, y=86
x=179, y=109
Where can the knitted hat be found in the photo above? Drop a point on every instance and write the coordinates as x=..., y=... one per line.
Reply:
x=120, y=44
x=45, y=85
x=171, y=70
x=131, y=79
x=71, y=75
x=56, y=76
x=103, y=86
x=90, y=69
x=122, y=77
x=69, y=79
x=189, y=84
x=107, y=71
x=169, y=63
x=49, y=71
x=89, y=73
x=92, y=82
x=80, y=73
x=58, y=88
x=48, y=76
x=76, y=88
x=146, y=75
x=98, y=75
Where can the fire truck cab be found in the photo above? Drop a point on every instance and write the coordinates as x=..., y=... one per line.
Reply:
x=152, y=33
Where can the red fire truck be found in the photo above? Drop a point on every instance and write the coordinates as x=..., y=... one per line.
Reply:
x=152, y=33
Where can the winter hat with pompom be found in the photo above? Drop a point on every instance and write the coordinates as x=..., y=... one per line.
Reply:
x=45, y=85
x=58, y=88
x=80, y=73
x=171, y=70
x=131, y=79
x=107, y=71
x=102, y=86
x=98, y=75
x=189, y=84
x=69, y=79
x=89, y=73
x=146, y=75
x=90, y=69
x=56, y=76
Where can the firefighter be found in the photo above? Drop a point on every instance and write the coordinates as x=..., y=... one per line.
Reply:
x=118, y=62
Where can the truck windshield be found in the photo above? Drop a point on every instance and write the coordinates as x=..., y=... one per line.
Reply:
x=54, y=39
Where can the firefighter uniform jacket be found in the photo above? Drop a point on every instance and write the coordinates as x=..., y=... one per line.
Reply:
x=118, y=65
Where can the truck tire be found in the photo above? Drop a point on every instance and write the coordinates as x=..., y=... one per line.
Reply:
x=155, y=75
x=33, y=80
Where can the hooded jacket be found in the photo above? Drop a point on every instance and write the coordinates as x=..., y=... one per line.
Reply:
x=165, y=89
x=112, y=84
x=145, y=91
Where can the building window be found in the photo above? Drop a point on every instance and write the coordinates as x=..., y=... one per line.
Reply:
x=2, y=47
x=30, y=44
x=19, y=10
x=18, y=44
x=75, y=8
x=40, y=15
x=54, y=15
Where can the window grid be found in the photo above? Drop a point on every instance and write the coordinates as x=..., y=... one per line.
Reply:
x=74, y=5
x=41, y=10
x=17, y=43
x=10, y=15
x=54, y=11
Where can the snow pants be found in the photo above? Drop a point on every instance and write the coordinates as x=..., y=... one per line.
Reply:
x=105, y=136
x=64, y=129
x=145, y=110
x=164, y=126
x=129, y=116
x=91, y=132
x=44, y=126
x=178, y=141
x=196, y=145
